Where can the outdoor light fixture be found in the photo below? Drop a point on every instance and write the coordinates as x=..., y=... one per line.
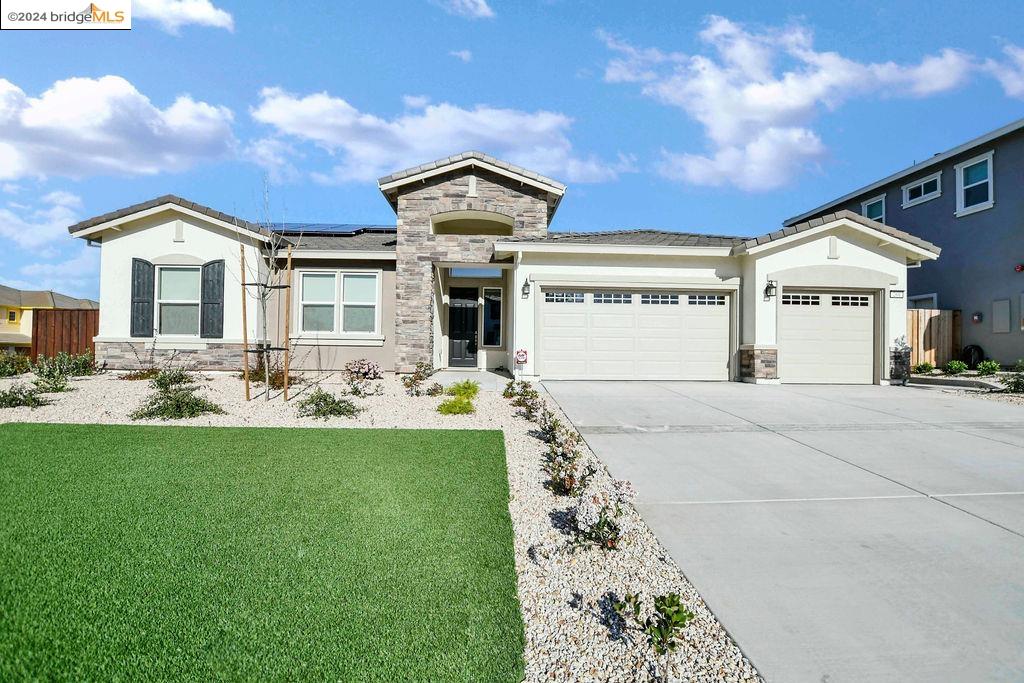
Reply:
x=526, y=289
x=770, y=289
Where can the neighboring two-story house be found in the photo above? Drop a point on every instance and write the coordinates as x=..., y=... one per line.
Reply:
x=970, y=200
x=16, y=308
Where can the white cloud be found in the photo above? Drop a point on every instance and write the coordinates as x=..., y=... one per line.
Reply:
x=415, y=101
x=1009, y=73
x=367, y=146
x=471, y=9
x=275, y=156
x=464, y=55
x=41, y=225
x=77, y=275
x=11, y=188
x=173, y=14
x=83, y=126
x=757, y=93
x=62, y=198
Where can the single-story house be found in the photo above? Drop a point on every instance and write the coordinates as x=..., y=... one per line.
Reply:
x=16, y=314
x=470, y=276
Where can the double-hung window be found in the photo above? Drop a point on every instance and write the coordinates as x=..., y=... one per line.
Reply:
x=974, y=185
x=923, y=190
x=338, y=303
x=874, y=208
x=177, y=295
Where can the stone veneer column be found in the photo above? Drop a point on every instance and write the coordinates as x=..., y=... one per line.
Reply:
x=758, y=364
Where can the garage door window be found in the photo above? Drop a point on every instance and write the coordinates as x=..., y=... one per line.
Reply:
x=563, y=297
x=613, y=298
x=659, y=299
x=706, y=299
x=801, y=300
x=844, y=300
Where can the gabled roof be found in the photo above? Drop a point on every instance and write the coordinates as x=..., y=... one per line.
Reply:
x=161, y=201
x=913, y=170
x=791, y=230
x=442, y=165
x=647, y=238
x=18, y=298
x=359, y=240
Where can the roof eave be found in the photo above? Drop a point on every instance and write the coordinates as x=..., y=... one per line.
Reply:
x=624, y=249
x=116, y=223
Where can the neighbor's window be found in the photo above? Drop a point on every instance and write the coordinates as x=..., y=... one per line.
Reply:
x=332, y=302
x=492, y=316
x=920, y=191
x=177, y=294
x=319, y=293
x=874, y=209
x=12, y=316
x=974, y=185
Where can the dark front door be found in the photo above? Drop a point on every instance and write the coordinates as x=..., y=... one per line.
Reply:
x=462, y=330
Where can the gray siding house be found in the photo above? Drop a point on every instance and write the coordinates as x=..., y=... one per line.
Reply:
x=970, y=201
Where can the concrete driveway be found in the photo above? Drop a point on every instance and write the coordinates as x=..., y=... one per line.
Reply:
x=840, y=533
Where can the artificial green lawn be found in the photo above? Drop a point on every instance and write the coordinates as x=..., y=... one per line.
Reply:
x=140, y=553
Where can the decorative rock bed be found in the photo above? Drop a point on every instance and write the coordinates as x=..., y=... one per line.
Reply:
x=572, y=632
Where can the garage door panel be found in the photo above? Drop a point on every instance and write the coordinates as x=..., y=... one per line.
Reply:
x=552, y=321
x=560, y=344
x=615, y=344
x=826, y=343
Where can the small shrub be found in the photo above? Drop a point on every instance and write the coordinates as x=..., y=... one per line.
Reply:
x=435, y=389
x=1014, y=381
x=321, y=404
x=467, y=389
x=22, y=395
x=457, y=405
x=566, y=472
x=258, y=373
x=362, y=388
x=413, y=382
x=987, y=368
x=65, y=364
x=12, y=364
x=141, y=374
x=924, y=368
x=165, y=380
x=363, y=369
x=548, y=425
x=524, y=397
x=52, y=384
x=598, y=517
x=955, y=367
x=176, y=403
x=663, y=627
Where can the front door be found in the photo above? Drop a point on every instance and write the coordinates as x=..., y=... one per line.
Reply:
x=462, y=328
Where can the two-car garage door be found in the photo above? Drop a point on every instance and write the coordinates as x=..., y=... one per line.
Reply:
x=624, y=334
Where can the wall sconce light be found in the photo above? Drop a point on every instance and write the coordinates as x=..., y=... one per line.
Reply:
x=770, y=289
x=526, y=289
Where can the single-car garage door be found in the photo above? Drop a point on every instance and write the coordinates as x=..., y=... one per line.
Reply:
x=826, y=337
x=622, y=334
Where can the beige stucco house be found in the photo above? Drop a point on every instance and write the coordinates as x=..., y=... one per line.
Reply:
x=470, y=276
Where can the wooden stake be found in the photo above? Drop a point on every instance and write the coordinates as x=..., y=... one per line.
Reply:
x=245, y=325
x=287, y=320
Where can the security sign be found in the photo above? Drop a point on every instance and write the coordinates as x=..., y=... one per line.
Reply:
x=521, y=357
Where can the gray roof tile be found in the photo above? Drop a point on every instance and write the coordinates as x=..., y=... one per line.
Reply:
x=653, y=238
x=470, y=154
x=159, y=201
x=848, y=215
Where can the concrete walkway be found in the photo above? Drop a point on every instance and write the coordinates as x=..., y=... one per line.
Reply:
x=840, y=533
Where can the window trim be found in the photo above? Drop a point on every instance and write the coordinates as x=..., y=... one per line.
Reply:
x=158, y=302
x=338, y=332
x=864, y=207
x=961, y=210
x=907, y=202
x=501, y=317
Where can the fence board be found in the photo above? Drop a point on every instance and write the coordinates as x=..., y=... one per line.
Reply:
x=63, y=329
x=933, y=335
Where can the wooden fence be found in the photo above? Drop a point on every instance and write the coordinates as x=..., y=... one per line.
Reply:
x=933, y=335
x=63, y=329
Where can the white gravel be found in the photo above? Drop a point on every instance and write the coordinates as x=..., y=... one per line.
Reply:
x=565, y=595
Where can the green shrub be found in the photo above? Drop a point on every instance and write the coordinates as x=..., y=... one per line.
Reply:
x=53, y=384
x=258, y=374
x=1015, y=380
x=467, y=389
x=955, y=367
x=364, y=369
x=176, y=403
x=22, y=395
x=321, y=404
x=12, y=364
x=457, y=405
x=987, y=368
x=165, y=380
x=435, y=389
x=413, y=382
x=65, y=364
x=663, y=628
x=924, y=368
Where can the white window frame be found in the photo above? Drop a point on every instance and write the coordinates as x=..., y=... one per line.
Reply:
x=933, y=297
x=908, y=202
x=961, y=210
x=158, y=302
x=501, y=318
x=864, y=207
x=338, y=332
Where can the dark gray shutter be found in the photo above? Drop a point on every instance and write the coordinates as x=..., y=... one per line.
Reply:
x=211, y=314
x=142, y=298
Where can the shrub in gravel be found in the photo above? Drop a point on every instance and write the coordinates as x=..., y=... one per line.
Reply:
x=165, y=380
x=662, y=626
x=363, y=369
x=924, y=368
x=567, y=474
x=955, y=367
x=548, y=425
x=456, y=405
x=22, y=395
x=321, y=404
x=175, y=403
x=52, y=383
x=413, y=382
x=65, y=364
x=987, y=368
x=258, y=373
x=598, y=518
x=435, y=389
x=524, y=397
x=1014, y=381
x=141, y=374
x=467, y=389
x=362, y=388
x=12, y=364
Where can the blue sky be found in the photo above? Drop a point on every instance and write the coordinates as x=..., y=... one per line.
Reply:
x=725, y=118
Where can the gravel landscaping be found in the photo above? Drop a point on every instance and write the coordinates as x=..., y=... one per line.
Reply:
x=565, y=593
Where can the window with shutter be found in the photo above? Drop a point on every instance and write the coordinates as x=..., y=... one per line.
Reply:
x=211, y=315
x=142, y=298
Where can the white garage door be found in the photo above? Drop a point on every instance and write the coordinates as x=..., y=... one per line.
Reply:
x=826, y=337
x=617, y=334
